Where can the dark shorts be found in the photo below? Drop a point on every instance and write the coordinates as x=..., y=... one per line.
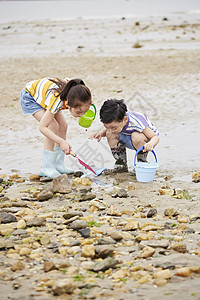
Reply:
x=126, y=139
x=28, y=104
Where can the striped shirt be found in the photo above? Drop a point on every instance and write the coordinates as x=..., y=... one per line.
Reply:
x=38, y=89
x=137, y=122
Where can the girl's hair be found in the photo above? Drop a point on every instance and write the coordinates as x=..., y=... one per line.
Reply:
x=74, y=91
x=113, y=110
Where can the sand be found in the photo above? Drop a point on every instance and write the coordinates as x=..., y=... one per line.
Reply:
x=160, y=78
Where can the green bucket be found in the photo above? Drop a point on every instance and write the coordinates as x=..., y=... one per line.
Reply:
x=87, y=119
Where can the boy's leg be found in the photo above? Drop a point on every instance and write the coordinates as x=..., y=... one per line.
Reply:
x=118, y=150
x=138, y=140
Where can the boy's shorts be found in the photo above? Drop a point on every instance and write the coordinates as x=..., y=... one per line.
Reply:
x=28, y=104
x=126, y=139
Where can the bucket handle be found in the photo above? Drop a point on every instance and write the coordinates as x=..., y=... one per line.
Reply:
x=138, y=150
x=95, y=111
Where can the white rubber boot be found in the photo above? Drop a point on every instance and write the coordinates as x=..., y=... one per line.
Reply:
x=60, y=165
x=48, y=168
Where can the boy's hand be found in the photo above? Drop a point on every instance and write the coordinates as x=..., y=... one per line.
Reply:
x=96, y=136
x=65, y=147
x=148, y=147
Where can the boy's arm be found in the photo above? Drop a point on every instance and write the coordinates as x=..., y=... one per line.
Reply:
x=153, y=139
x=98, y=135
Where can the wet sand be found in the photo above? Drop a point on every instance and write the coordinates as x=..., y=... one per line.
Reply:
x=161, y=78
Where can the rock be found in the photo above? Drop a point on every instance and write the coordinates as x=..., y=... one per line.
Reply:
x=49, y=266
x=45, y=179
x=137, y=45
x=122, y=273
x=38, y=221
x=18, y=266
x=116, y=235
x=182, y=219
x=7, y=218
x=113, y=211
x=170, y=212
x=164, y=274
x=72, y=214
x=132, y=225
x=44, y=195
x=84, y=181
x=106, y=241
x=63, y=286
x=166, y=265
x=166, y=191
x=104, y=250
x=146, y=252
x=24, y=251
x=152, y=212
x=194, y=217
x=119, y=192
x=85, y=197
x=156, y=244
x=179, y=247
x=34, y=177
x=85, y=232
x=144, y=237
x=21, y=224
x=160, y=281
x=6, y=243
x=20, y=232
x=45, y=240
x=189, y=230
x=75, y=243
x=6, y=229
x=61, y=184
x=88, y=251
x=105, y=264
x=71, y=220
x=196, y=176
x=183, y=272
x=99, y=204
x=78, y=174
x=78, y=224
x=195, y=269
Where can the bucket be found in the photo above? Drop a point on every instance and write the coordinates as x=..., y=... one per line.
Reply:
x=145, y=171
x=87, y=119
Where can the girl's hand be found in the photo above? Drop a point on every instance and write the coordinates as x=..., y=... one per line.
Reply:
x=148, y=147
x=65, y=147
x=96, y=136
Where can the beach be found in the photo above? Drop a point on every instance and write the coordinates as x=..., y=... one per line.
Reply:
x=153, y=63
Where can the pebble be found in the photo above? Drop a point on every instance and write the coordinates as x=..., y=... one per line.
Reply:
x=18, y=266
x=105, y=264
x=170, y=212
x=63, y=286
x=179, y=247
x=49, y=266
x=88, y=251
x=38, y=221
x=183, y=272
x=146, y=252
x=85, y=232
x=131, y=225
x=21, y=224
x=72, y=214
x=164, y=274
x=61, y=184
x=152, y=212
x=104, y=250
x=44, y=195
x=7, y=218
x=78, y=224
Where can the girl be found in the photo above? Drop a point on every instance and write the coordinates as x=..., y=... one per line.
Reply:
x=126, y=129
x=44, y=99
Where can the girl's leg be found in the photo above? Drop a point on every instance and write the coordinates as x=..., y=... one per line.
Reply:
x=49, y=156
x=62, y=132
x=54, y=126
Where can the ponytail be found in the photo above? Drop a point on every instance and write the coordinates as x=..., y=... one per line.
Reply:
x=74, y=91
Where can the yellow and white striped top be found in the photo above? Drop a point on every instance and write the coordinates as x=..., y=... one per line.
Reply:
x=38, y=89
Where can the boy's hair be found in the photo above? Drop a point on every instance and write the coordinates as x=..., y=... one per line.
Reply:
x=74, y=91
x=113, y=110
